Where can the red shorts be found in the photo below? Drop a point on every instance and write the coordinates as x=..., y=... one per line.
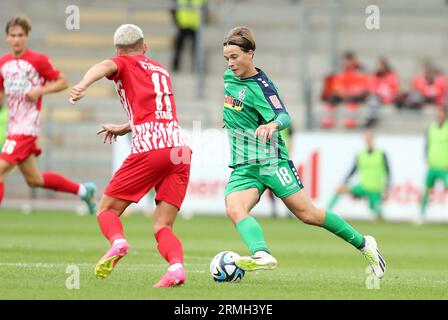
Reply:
x=141, y=172
x=17, y=148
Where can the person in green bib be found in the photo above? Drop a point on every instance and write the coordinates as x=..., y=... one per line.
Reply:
x=436, y=152
x=253, y=114
x=373, y=172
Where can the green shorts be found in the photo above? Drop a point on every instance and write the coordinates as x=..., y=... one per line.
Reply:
x=436, y=174
x=281, y=177
x=375, y=199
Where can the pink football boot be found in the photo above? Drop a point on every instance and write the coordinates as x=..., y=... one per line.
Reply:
x=108, y=262
x=172, y=279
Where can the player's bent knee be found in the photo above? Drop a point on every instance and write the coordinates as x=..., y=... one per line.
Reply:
x=235, y=213
x=310, y=217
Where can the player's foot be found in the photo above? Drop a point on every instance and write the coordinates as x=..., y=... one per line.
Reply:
x=108, y=262
x=261, y=260
x=373, y=256
x=172, y=279
x=89, y=197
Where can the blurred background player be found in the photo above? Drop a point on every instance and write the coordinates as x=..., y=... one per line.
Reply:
x=253, y=111
x=436, y=152
x=160, y=158
x=373, y=171
x=26, y=76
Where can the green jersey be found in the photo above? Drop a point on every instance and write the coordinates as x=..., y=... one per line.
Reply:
x=437, y=140
x=249, y=103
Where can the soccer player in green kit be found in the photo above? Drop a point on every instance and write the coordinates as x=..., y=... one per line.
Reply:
x=436, y=148
x=253, y=114
x=373, y=172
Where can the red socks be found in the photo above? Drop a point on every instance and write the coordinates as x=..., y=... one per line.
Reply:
x=57, y=182
x=110, y=225
x=169, y=246
x=2, y=188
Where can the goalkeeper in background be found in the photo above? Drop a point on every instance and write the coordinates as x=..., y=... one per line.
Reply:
x=373, y=170
x=436, y=151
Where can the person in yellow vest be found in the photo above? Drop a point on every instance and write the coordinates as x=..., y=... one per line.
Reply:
x=187, y=16
x=373, y=175
x=436, y=151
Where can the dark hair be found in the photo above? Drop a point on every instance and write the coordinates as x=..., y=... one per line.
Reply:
x=349, y=55
x=241, y=37
x=22, y=21
x=386, y=64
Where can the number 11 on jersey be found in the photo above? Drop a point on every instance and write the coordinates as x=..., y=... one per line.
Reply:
x=162, y=97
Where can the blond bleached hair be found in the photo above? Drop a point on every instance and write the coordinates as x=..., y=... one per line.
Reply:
x=128, y=36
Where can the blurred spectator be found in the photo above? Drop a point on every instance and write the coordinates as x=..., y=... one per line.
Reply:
x=187, y=17
x=384, y=88
x=428, y=88
x=350, y=86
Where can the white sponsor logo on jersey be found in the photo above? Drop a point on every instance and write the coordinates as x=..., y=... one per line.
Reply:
x=275, y=102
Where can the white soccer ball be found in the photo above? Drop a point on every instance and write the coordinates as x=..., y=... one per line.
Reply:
x=224, y=269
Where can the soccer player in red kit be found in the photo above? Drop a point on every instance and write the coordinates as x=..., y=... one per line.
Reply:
x=160, y=157
x=25, y=76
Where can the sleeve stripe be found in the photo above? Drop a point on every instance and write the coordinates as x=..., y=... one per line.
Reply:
x=270, y=94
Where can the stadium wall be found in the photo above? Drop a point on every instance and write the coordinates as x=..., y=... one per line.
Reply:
x=323, y=161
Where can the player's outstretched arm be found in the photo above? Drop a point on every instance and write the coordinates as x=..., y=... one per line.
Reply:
x=111, y=131
x=105, y=68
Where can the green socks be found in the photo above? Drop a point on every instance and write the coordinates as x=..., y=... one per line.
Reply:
x=338, y=226
x=424, y=202
x=252, y=234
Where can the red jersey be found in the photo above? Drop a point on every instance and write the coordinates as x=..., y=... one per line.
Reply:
x=386, y=86
x=17, y=77
x=431, y=89
x=144, y=88
x=350, y=83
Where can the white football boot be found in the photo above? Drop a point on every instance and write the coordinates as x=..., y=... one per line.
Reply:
x=261, y=260
x=373, y=256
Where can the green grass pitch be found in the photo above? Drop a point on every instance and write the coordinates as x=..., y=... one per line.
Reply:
x=35, y=250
